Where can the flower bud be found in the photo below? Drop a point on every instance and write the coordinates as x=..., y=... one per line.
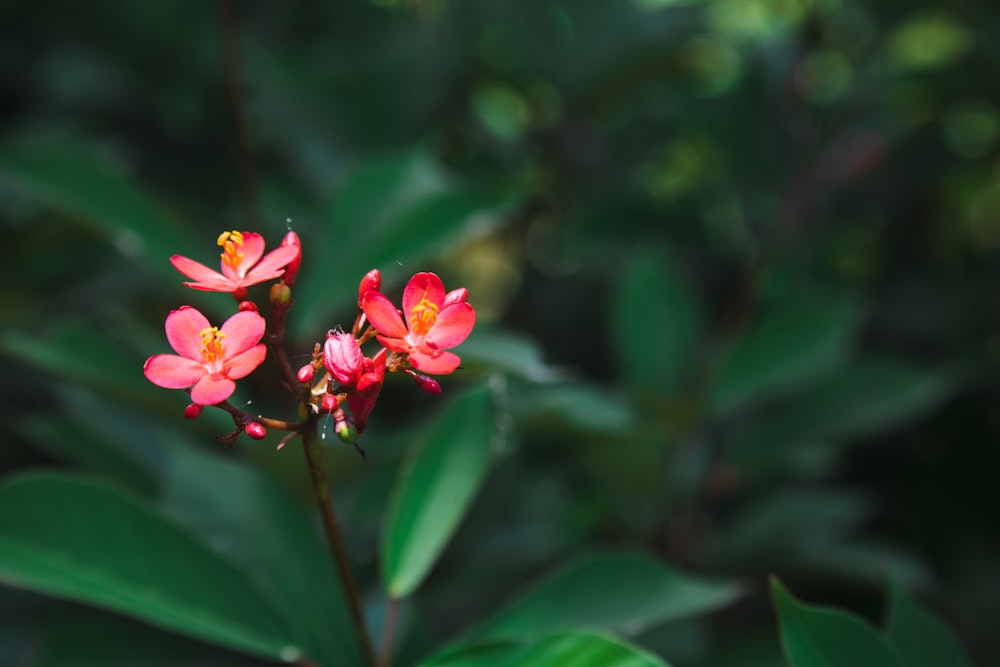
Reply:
x=193, y=411
x=305, y=374
x=292, y=270
x=371, y=282
x=428, y=384
x=343, y=358
x=255, y=431
x=240, y=293
x=280, y=295
x=329, y=403
x=460, y=295
x=248, y=306
x=346, y=431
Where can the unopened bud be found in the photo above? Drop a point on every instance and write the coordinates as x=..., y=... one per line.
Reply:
x=248, y=306
x=329, y=403
x=305, y=374
x=193, y=411
x=460, y=295
x=255, y=431
x=371, y=282
x=292, y=270
x=343, y=358
x=346, y=431
x=280, y=294
x=240, y=293
x=428, y=384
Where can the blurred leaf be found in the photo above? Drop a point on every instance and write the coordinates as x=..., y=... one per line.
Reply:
x=75, y=180
x=435, y=489
x=920, y=637
x=389, y=213
x=90, y=543
x=817, y=637
x=247, y=518
x=867, y=396
x=622, y=592
x=657, y=320
x=563, y=650
x=504, y=351
x=793, y=343
x=579, y=406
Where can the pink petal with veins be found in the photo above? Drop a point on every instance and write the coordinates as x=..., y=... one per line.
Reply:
x=244, y=363
x=212, y=389
x=453, y=325
x=383, y=315
x=184, y=327
x=422, y=286
x=172, y=372
x=441, y=363
x=242, y=331
x=197, y=271
x=274, y=262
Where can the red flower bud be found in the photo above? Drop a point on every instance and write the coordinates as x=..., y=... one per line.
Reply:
x=343, y=358
x=371, y=281
x=255, y=431
x=193, y=411
x=329, y=403
x=305, y=374
x=292, y=270
x=428, y=384
x=248, y=306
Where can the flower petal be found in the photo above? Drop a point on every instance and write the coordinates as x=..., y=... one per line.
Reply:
x=172, y=372
x=275, y=260
x=184, y=327
x=440, y=363
x=243, y=364
x=453, y=325
x=252, y=249
x=422, y=286
x=383, y=315
x=242, y=331
x=455, y=296
x=212, y=389
x=197, y=271
x=395, y=344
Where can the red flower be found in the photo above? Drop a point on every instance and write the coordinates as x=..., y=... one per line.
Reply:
x=343, y=358
x=362, y=399
x=208, y=358
x=243, y=264
x=435, y=321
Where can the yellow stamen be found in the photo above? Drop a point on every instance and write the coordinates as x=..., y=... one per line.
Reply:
x=231, y=242
x=211, y=343
x=423, y=316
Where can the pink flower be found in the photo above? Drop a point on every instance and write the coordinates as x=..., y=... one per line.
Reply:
x=243, y=264
x=435, y=321
x=208, y=358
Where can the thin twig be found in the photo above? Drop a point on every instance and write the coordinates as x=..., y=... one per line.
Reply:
x=321, y=489
x=388, y=632
x=234, y=90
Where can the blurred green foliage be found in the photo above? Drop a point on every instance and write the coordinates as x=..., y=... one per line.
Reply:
x=736, y=269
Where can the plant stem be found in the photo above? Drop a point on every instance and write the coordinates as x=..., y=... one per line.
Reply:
x=388, y=632
x=321, y=488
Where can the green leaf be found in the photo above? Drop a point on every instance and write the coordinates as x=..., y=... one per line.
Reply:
x=564, y=650
x=435, y=489
x=505, y=351
x=793, y=343
x=657, y=321
x=77, y=181
x=252, y=522
x=817, y=637
x=861, y=399
x=623, y=592
x=90, y=543
x=389, y=213
x=920, y=637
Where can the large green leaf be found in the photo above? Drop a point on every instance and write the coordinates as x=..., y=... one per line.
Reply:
x=624, y=592
x=794, y=342
x=817, y=637
x=435, y=488
x=251, y=521
x=87, y=542
x=656, y=318
x=920, y=637
x=389, y=213
x=564, y=650
x=504, y=351
x=77, y=181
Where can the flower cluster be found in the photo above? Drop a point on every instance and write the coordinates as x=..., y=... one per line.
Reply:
x=210, y=359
